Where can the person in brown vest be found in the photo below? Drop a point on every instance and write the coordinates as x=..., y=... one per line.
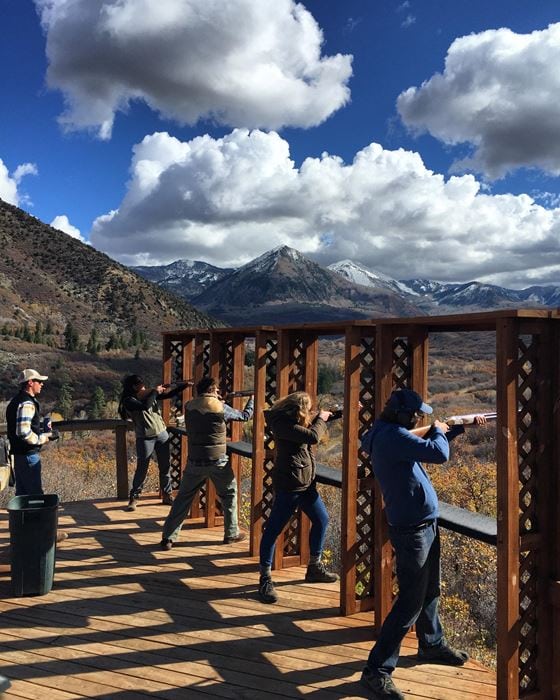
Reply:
x=205, y=422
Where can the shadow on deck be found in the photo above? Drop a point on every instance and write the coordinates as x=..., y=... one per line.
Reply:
x=125, y=620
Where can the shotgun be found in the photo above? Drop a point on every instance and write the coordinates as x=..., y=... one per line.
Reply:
x=467, y=419
x=233, y=394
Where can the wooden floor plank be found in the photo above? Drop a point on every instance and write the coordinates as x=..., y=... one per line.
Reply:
x=126, y=620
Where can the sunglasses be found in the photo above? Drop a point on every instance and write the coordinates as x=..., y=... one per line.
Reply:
x=39, y=381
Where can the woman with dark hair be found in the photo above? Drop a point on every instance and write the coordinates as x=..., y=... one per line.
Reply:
x=293, y=478
x=141, y=405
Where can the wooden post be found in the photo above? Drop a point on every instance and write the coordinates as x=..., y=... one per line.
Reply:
x=554, y=529
x=121, y=455
x=350, y=470
x=508, y=510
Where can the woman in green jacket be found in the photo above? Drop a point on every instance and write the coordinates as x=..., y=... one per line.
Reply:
x=141, y=405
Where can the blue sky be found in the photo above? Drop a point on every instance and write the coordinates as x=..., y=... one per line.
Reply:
x=210, y=130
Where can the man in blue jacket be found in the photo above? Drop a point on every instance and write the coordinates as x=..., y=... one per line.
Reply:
x=411, y=507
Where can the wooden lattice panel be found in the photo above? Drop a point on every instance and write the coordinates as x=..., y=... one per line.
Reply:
x=401, y=363
x=177, y=348
x=364, y=496
x=226, y=373
x=175, y=459
x=528, y=449
x=297, y=366
x=176, y=409
x=270, y=360
x=296, y=383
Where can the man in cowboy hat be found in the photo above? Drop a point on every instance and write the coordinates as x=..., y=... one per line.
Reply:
x=26, y=432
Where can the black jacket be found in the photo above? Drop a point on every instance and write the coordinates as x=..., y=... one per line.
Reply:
x=17, y=445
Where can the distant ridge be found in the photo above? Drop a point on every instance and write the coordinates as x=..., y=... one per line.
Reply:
x=47, y=275
x=283, y=286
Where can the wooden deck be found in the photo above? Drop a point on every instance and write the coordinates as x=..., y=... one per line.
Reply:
x=125, y=620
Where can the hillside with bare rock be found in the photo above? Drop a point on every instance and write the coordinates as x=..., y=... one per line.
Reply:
x=48, y=276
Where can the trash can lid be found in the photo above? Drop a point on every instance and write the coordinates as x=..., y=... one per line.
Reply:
x=33, y=502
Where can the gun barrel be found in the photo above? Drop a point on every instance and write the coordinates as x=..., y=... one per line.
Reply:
x=468, y=419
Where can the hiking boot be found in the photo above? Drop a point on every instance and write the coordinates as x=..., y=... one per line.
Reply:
x=132, y=505
x=317, y=573
x=236, y=538
x=443, y=654
x=380, y=686
x=267, y=594
x=166, y=544
x=167, y=499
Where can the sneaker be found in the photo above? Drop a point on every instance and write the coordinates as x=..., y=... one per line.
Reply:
x=167, y=499
x=236, y=538
x=380, y=686
x=266, y=590
x=61, y=536
x=132, y=505
x=443, y=654
x=166, y=544
x=317, y=573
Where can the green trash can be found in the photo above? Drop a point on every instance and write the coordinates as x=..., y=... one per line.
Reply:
x=33, y=527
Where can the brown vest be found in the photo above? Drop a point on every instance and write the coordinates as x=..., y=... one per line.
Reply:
x=206, y=427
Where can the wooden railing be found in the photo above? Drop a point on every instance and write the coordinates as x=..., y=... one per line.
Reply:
x=379, y=356
x=120, y=428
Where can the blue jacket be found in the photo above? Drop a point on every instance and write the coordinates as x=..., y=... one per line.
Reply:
x=396, y=454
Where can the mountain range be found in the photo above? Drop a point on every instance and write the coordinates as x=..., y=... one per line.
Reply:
x=284, y=286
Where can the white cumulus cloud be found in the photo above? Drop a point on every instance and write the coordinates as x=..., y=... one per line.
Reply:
x=253, y=63
x=62, y=223
x=500, y=93
x=9, y=183
x=228, y=200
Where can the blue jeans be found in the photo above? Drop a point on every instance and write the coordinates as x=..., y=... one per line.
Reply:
x=194, y=476
x=27, y=469
x=145, y=448
x=417, y=554
x=284, y=506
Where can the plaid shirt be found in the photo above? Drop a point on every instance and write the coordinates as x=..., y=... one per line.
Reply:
x=25, y=414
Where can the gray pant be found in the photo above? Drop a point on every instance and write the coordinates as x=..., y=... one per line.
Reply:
x=194, y=476
x=145, y=448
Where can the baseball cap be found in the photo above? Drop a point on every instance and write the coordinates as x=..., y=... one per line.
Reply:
x=408, y=400
x=28, y=374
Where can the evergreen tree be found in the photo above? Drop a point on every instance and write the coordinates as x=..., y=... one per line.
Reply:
x=115, y=391
x=49, y=328
x=71, y=338
x=38, y=335
x=98, y=404
x=137, y=354
x=26, y=335
x=64, y=401
x=93, y=342
x=111, y=344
